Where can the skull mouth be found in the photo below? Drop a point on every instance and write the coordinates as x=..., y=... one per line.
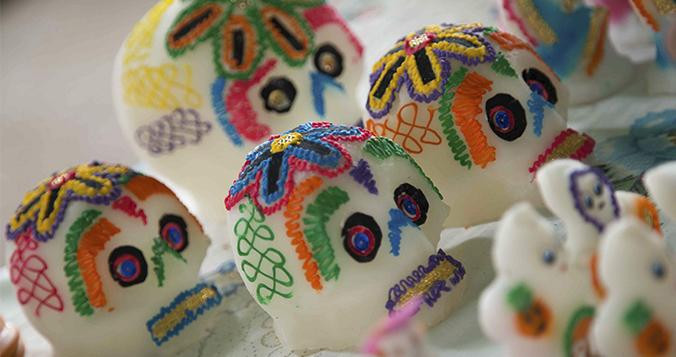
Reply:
x=568, y=144
x=440, y=276
x=186, y=307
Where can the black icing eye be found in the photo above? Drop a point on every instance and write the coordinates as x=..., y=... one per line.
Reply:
x=658, y=270
x=329, y=61
x=173, y=231
x=361, y=237
x=127, y=266
x=412, y=202
x=278, y=95
x=540, y=84
x=506, y=116
x=549, y=257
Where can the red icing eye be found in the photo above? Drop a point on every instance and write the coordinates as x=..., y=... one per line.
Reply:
x=173, y=231
x=412, y=202
x=127, y=266
x=361, y=237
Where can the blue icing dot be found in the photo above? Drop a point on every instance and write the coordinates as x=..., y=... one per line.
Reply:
x=361, y=241
x=128, y=268
x=175, y=236
x=410, y=207
x=502, y=120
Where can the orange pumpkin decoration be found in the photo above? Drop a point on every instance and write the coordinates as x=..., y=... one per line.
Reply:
x=653, y=340
x=535, y=320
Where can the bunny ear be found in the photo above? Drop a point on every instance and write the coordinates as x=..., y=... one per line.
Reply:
x=661, y=185
x=192, y=26
x=238, y=47
x=288, y=34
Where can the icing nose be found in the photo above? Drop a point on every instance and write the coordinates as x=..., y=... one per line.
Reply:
x=320, y=82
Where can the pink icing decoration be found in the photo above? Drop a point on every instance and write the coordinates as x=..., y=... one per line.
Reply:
x=618, y=8
x=243, y=116
x=325, y=14
x=395, y=321
x=513, y=16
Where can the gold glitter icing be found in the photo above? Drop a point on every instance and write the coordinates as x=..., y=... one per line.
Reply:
x=281, y=143
x=441, y=273
x=665, y=7
x=542, y=30
x=173, y=318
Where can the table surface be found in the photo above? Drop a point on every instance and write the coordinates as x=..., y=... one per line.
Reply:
x=56, y=111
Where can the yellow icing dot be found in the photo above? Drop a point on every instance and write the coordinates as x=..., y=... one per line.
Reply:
x=281, y=143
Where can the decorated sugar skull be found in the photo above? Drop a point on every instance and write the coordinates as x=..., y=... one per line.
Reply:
x=479, y=111
x=537, y=305
x=333, y=229
x=584, y=199
x=100, y=250
x=638, y=268
x=543, y=299
x=571, y=37
x=199, y=83
x=660, y=17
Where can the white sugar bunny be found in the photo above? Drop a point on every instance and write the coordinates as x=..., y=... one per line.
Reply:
x=638, y=269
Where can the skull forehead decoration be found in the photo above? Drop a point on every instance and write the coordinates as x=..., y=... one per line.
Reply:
x=638, y=267
x=571, y=37
x=197, y=84
x=102, y=250
x=486, y=97
x=322, y=211
x=543, y=299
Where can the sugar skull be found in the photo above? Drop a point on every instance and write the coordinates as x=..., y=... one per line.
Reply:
x=104, y=261
x=570, y=36
x=539, y=304
x=199, y=83
x=480, y=112
x=660, y=16
x=333, y=229
x=638, y=267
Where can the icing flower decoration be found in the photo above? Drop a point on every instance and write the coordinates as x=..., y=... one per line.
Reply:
x=421, y=61
x=241, y=31
x=310, y=147
x=43, y=208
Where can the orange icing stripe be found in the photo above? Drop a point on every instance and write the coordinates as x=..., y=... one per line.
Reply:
x=466, y=107
x=599, y=47
x=638, y=5
x=294, y=207
x=90, y=245
x=646, y=211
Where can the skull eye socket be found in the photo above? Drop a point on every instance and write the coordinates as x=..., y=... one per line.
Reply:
x=412, y=202
x=127, y=266
x=540, y=83
x=361, y=237
x=278, y=95
x=506, y=116
x=328, y=60
x=173, y=231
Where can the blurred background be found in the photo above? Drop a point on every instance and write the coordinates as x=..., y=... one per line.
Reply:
x=56, y=60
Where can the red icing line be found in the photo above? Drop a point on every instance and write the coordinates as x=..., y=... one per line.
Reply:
x=27, y=271
x=325, y=14
x=243, y=116
x=580, y=153
x=513, y=16
x=128, y=206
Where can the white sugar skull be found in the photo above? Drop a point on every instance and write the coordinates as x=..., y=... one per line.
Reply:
x=104, y=261
x=332, y=229
x=570, y=36
x=584, y=199
x=478, y=110
x=538, y=305
x=660, y=17
x=199, y=83
x=638, y=268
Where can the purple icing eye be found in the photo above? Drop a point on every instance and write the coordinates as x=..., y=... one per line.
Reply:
x=173, y=231
x=361, y=237
x=127, y=266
